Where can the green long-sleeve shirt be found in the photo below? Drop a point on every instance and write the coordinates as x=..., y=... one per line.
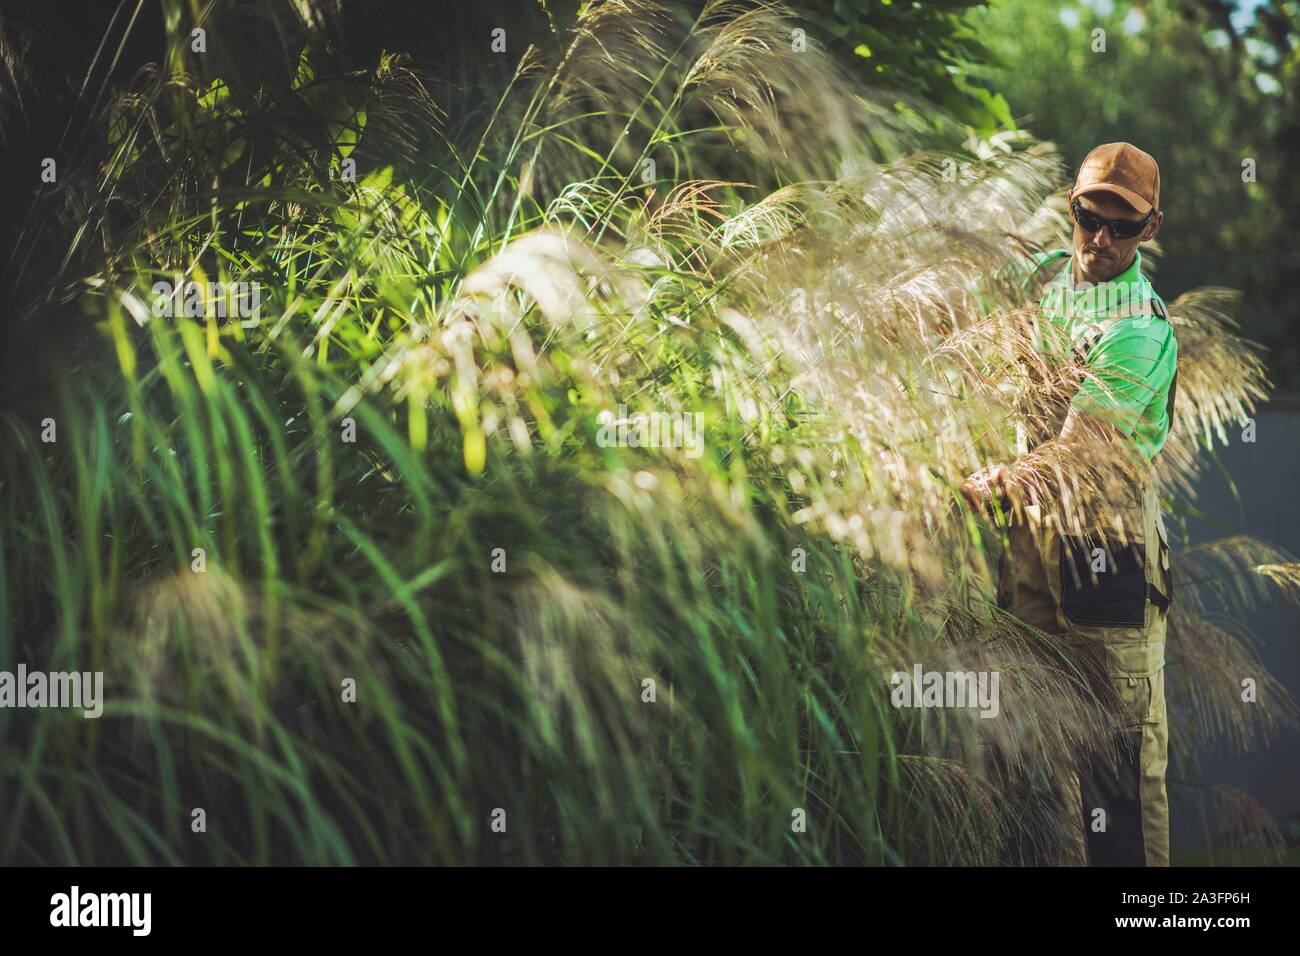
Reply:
x=1131, y=353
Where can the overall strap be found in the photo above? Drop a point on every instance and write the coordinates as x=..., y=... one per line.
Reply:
x=1159, y=311
x=1159, y=308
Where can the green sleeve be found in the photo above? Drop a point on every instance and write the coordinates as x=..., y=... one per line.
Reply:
x=1129, y=370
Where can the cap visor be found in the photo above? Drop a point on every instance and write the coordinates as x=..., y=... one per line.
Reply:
x=1128, y=195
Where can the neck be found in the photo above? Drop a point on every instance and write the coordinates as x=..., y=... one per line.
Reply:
x=1077, y=272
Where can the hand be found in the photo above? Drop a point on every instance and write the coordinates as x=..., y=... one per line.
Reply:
x=986, y=485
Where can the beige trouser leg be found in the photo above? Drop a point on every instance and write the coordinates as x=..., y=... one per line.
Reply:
x=1023, y=590
x=1120, y=802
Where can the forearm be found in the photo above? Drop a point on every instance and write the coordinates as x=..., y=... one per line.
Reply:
x=1076, y=474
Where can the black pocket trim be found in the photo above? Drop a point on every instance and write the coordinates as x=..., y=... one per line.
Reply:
x=1161, y=601
x=1116, y=597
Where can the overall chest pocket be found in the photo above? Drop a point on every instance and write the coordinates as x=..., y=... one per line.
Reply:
x=1103, y=587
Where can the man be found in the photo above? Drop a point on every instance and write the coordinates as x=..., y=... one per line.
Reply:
x=1101, y=585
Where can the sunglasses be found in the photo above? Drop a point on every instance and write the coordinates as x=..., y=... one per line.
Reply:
x=1119, y=228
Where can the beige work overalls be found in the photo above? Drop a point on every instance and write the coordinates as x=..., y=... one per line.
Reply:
x=1113, y=618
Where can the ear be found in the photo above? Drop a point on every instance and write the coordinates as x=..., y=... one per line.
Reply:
x=1153, y=227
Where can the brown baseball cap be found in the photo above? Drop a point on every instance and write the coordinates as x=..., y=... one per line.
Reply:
x=1122, y=169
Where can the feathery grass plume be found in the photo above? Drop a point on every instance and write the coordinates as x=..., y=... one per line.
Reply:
x=1221, y=377
x=1240, y=832
x=1212, y=654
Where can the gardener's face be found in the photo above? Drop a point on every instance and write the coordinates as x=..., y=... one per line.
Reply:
x=1098, y=255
